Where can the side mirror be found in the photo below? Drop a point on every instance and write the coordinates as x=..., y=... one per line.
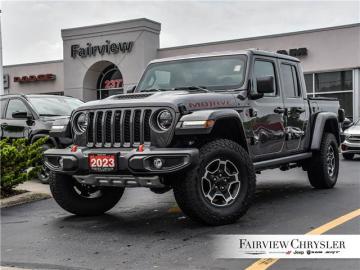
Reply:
x=131, y=89
x=346, y=124
x=20, y=115
x=265, y=84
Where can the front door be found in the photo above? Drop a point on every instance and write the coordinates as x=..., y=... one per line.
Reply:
x=296, y=108
x=13, y=127
x=267, y=112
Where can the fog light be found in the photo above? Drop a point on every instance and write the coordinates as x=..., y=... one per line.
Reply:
x=61, y=162
x=158, y=163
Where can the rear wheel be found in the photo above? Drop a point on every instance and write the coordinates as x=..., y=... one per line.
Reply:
x=80, y=199
x=348, y=156
x=324, y=165
x=220, y=189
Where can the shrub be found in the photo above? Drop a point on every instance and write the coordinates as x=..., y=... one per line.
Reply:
x=20, y=161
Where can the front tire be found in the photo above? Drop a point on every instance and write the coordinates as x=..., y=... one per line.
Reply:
x=324, y=164
x=44, y=173
x=82, y=200
x=220, y=189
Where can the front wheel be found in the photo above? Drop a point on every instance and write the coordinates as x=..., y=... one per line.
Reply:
x=80, y=199
x=324, y=164
x=220, y=189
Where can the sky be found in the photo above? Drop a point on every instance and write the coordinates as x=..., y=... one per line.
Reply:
x=31, y=29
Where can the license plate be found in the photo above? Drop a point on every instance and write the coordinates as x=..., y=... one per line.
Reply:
x=102, y=162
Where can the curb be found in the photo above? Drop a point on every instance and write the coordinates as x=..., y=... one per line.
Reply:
x=23, y=198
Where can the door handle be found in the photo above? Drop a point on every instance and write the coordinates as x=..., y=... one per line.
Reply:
x=300, y=110
x=279, y=110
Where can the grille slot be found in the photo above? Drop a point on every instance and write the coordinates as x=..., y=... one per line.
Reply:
x=119, y=128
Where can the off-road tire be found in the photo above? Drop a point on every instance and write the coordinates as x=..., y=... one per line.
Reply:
x=62, y=189
x=188, y=191
x=318, y=173
x=348, y=156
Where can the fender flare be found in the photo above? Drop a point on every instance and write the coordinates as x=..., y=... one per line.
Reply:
x=38, y=136
x=215, y=115
x=319, y=126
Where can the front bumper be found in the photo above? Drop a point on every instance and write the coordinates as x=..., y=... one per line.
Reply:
x=350, y=147
x=129, y=161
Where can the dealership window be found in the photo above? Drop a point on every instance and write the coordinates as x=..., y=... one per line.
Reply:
x=110, y=82
x=335, y=84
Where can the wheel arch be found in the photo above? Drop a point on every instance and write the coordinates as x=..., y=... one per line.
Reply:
x=38, y=136
x=324, y=122
x=227, y=125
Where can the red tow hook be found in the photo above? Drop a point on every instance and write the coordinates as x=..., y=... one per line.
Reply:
x=141, y=148
x=74, y=148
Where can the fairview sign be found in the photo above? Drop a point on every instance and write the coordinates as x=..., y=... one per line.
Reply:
x=108, y=48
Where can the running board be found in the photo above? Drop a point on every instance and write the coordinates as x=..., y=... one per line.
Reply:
x=273, y=163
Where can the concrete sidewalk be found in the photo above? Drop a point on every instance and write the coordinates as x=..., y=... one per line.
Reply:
x=35, y=191
x=35, y=186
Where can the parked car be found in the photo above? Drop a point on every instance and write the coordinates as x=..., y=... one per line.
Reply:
x=32, y=116
x=202, y=125
x=351, y=145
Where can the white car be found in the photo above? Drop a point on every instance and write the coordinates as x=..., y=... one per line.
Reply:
x=351, y=145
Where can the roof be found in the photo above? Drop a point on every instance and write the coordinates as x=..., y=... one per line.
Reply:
x=31, y=95
x=226, y=53
x=308, y=31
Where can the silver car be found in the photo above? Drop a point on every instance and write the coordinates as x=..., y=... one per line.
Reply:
x=351, y=145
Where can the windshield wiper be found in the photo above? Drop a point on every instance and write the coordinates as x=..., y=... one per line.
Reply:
x=193, y=88
x=46, y=114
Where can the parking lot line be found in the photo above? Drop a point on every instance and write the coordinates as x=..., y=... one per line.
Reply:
x=264, y=264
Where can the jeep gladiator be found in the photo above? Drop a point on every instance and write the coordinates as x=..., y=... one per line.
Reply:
x=202, y=125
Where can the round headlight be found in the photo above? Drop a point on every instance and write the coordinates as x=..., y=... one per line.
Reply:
x=164, y=119
x=81, y=122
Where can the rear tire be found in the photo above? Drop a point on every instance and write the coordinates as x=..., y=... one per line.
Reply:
x=348, y=156
x=80, y=199
x=220, y=189
x=324, y=165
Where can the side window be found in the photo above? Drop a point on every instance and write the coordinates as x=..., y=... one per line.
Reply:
x=263, y=69
x=14, y=106
x=290, y=81
x=2, y=106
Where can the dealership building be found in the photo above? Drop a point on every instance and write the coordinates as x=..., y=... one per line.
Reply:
x=103, y=60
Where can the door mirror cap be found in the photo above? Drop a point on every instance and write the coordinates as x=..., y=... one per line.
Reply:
x=130, y=89
x=20, y=115
x=265, y=84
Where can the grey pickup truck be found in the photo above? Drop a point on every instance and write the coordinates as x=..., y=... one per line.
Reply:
x=202, y=125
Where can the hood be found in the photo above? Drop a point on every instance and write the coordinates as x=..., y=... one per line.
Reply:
x=192, y=101
x=354, y=130
x=54, y=118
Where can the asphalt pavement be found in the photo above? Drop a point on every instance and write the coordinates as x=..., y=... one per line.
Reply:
x=147, y=230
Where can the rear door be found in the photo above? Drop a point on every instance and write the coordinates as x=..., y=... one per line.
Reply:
x=268, y=121
x=296, y=115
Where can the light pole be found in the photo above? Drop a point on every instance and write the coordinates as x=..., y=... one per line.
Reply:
x=1, y=64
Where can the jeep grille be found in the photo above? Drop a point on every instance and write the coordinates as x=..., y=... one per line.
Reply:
x=119, y=128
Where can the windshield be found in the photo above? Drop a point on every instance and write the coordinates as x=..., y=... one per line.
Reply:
x=211, y=73
x=54, y=106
